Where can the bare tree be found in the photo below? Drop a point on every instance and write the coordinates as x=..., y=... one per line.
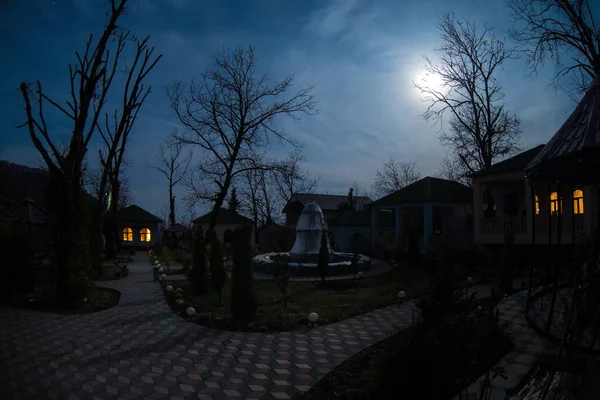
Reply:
x=230, y=117
x=289, y=177
x=564, y=31
x=453, y=169
x=173, y=164
x=90, y=80
x=480, y=127
x=92, y=184
x=394, y=176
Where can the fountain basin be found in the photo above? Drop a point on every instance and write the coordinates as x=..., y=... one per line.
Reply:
x=339, y=264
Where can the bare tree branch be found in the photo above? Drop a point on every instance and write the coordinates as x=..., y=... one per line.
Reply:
x=393, y=176
x=174, y=165
x=564, y=31
x=230, y=116
x=480, y=127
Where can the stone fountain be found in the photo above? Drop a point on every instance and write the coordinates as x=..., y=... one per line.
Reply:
x=303, y=256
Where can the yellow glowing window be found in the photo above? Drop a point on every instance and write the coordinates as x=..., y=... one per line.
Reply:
x=127, y=235
x=578, y=201
x=537, y=205
x=145, y=235
x=554, y=203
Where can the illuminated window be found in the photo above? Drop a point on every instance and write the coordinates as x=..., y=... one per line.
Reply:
x=145, y=235
x=554, y=204
x=578, y=201
x=537, y=205
x=127, y=235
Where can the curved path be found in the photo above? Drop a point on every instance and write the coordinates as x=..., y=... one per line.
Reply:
x=140, y=349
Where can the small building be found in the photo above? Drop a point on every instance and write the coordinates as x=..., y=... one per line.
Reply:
x=178, y=237
x=329, y=203
x=274, y=237
x=227, y=222
x=431, y=207
x=138, y=227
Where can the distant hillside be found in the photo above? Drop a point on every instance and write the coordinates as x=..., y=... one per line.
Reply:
x=20, y=181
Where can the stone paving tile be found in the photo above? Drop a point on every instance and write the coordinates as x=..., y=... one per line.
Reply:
x=141, y=349
x=508, y=374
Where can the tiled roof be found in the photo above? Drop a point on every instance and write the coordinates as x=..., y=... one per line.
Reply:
x=226, y=216
x=428, y=190
x=514, y=163
x=177, y=228
x=327, y=202
x=581, y=131
x=137, y=214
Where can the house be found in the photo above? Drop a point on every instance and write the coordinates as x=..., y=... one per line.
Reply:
x=351, y=230
x=227, y=222
x=431, y=206
x=554, y=198
x=274, y=237
x=329, y=204
x=138, y=227
x=179, y=237
x=501, y=200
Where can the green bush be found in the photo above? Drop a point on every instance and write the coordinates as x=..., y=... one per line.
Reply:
x=199, y=273
x=218, y=276
x=323, y=262
x=243, y=303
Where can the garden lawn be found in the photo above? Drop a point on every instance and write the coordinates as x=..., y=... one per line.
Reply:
x=337, y=300
x=44, y=299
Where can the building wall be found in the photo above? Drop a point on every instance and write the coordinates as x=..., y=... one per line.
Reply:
x=342, y=236
x=136, y=228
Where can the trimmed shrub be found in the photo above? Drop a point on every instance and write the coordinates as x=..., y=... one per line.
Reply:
x=323, y=262
x=217, y=272
x=243, y=303
x=199, y=273
x=413, y=252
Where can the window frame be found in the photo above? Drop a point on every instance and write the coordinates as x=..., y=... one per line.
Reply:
x=578, y=202
x=127, y=234
x=145, y=235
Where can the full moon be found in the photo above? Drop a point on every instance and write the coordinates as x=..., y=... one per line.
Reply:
x=430, y=80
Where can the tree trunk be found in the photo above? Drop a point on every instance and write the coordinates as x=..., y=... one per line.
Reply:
x=171, y=206
x=72, y=246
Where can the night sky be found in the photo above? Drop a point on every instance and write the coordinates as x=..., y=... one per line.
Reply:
x=362, y=57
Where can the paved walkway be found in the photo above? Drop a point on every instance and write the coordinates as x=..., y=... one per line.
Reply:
x=140, y=349
x=510, y=373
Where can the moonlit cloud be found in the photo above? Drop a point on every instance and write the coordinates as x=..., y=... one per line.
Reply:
x=360, y=56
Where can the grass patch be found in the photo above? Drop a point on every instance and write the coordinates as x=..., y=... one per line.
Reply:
x=435, y=363
x=336, y=301
x=98, y=299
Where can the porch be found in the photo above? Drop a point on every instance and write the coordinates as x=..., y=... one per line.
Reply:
x=504, y=205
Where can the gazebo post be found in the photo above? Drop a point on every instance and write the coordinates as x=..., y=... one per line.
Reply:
x=533, y=214
x=557, y=259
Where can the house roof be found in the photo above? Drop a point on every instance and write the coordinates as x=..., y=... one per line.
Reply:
x=428, y=190
x=225, y=216
x=26, y=211
x=272, y=225
x=136, y=213
x=580, y=132
x=514, y=163
x=177, y=228
x=327, y=202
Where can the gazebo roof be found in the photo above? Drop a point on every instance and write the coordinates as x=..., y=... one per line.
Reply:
x=575, y=143
x=26, y=211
